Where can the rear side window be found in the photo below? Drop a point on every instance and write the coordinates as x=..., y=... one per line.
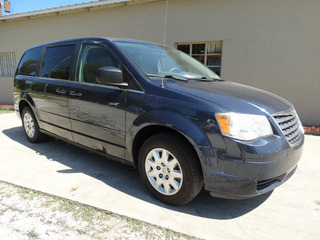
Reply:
x=57, y=61
x=28, y=63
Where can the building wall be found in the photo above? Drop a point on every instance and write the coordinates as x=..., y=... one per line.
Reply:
x=6, y=90
x=272, y=45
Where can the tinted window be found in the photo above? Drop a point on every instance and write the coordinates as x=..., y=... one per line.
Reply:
x=56, y=62
x=28, y=63
x=91, y=58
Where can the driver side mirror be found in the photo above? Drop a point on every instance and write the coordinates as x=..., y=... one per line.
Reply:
x=110, y=76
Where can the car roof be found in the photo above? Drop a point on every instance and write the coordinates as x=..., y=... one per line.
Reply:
x=98, y=39
x=72, y=40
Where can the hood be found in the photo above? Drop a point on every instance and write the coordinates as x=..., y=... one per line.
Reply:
x=228, y=96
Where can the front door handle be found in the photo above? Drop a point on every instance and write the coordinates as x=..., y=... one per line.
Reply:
x=61, y=90
x=76, y=93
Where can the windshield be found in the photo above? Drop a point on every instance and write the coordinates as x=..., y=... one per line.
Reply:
x=156, y=60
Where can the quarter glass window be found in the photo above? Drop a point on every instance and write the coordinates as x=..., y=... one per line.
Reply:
x=28, y=63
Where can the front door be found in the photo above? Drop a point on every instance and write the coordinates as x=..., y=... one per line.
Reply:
x=97, y=112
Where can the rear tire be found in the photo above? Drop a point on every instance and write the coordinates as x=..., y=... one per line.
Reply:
x=170, y=169
x=30, y=126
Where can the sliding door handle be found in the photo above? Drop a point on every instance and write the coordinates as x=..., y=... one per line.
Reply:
x=61, y=90
x=75, y=93
x=113, y=104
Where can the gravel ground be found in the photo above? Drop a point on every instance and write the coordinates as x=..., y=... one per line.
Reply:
x=27, y=214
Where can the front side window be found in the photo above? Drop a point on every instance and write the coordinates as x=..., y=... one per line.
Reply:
x=91, y=58
x=28, y=63
x=57, y=61
x=208, y=53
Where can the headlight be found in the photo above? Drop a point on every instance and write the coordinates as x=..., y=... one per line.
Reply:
x=244, y=126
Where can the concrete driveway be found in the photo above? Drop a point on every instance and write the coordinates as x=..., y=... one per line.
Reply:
x=292, y=211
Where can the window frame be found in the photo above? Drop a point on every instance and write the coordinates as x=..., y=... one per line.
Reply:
x=205, y=54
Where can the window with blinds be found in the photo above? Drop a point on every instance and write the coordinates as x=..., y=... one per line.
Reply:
x=208, y=53
x=7, y=64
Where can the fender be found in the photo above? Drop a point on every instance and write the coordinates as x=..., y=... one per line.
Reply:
x=24, y=96
x=177, y=122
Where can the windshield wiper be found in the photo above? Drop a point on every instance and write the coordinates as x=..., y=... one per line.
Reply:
x=207, y=79
x=169, y=76
x=185, y=79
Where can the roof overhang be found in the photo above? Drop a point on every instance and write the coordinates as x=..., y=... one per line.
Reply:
x=72, y=8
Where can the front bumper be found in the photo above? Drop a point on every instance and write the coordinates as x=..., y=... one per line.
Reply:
x=246, y=170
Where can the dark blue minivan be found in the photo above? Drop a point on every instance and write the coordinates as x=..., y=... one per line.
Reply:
x=158, y=109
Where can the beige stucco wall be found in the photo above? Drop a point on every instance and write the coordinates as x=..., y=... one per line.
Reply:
x=6, y=90
x=273, y=45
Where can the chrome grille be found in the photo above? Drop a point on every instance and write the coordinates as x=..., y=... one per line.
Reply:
x=290, y=125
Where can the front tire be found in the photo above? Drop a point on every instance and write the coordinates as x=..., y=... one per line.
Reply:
x=30, y=126
x=170, y=169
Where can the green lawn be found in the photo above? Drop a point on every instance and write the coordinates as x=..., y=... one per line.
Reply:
x=6, y=110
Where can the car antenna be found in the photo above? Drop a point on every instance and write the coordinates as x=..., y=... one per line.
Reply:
x=164, y=38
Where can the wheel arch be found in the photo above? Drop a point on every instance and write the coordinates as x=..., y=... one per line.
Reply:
x=150, y=131
x=25, y=100
x=160, y=122
x=22, y=105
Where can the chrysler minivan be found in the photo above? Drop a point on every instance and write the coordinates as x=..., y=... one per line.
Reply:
x=162, y=111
